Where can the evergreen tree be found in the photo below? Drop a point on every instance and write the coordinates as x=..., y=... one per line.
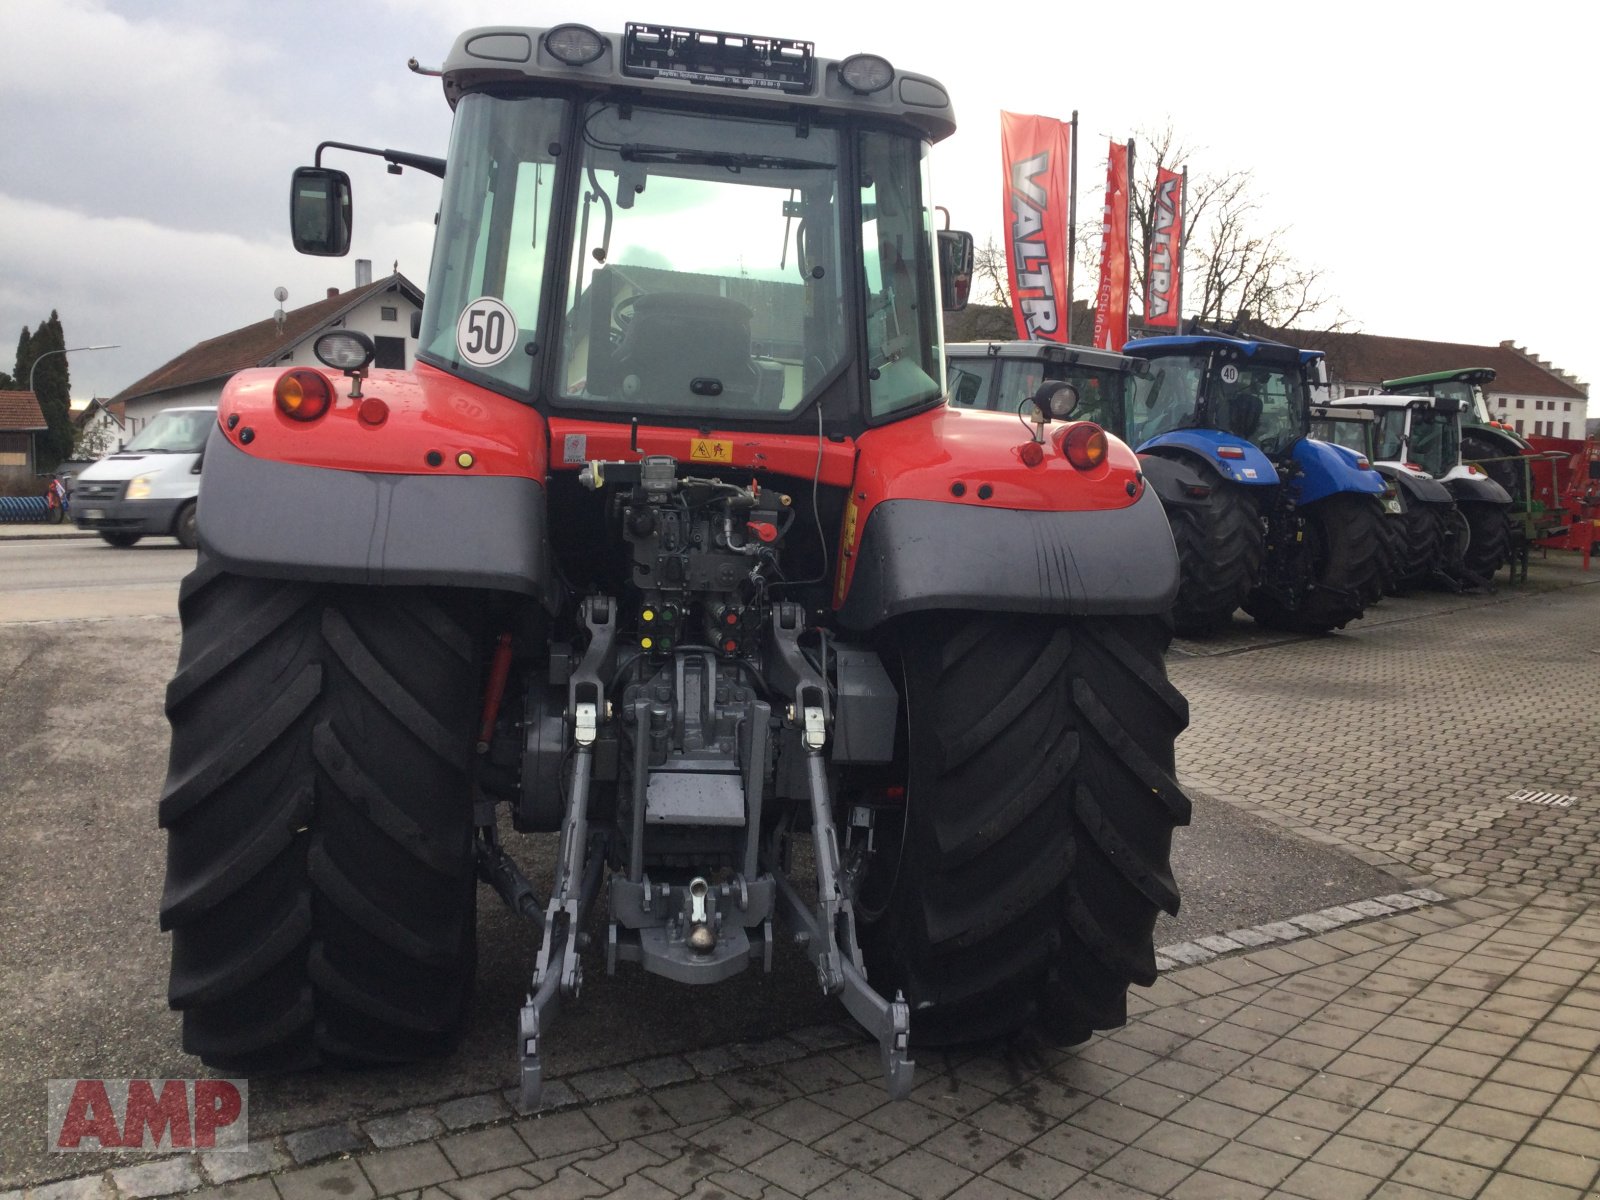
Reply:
x=53, y=388
x=7, y=384
x=24, y=358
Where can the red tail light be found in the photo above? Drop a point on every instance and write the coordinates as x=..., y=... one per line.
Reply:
x=1032, y=453
x=1085, y=445
x=303, y=395
x=1230, y=451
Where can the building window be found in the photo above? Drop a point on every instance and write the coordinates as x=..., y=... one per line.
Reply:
x=1566, y=429
x=1519, y=405
x=390, y=353
x=1519, y=424
x=1566, y=406
x=389, y=312
x=1501, y=401
x=1538, y=404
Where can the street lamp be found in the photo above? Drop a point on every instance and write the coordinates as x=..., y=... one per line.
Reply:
x=68, y=350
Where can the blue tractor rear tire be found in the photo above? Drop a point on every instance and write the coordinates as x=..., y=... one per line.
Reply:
x=1220, y=545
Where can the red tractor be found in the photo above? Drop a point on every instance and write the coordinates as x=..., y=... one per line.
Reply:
x=669, y=546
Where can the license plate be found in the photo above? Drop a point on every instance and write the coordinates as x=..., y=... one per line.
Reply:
x=94, y=514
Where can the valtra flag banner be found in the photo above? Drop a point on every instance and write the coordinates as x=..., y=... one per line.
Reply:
x=1038, y=192
x=1163, y=273
x=1111, y=301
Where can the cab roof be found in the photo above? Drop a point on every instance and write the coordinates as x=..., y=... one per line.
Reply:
x=1462, y=374
x=1051, y=352
x=1203, y=343
x=713, y=68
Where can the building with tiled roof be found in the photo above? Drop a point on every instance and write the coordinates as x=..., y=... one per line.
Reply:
x=102, y=428
x=381, y=309
x=1536, y=397
x=21, y=421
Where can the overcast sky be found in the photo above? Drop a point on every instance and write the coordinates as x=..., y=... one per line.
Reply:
x=1432, y=158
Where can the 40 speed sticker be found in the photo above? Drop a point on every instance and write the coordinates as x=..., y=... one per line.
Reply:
x=486, y=332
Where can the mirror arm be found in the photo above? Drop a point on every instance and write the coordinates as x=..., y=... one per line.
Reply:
x=396, y=158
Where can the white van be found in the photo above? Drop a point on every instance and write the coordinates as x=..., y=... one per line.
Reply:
x=147, y=488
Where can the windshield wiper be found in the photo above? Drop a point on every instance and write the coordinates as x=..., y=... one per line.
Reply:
x=640, y=152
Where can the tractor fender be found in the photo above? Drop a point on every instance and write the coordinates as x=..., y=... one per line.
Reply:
x=1176, y=480
x=1479, y=488
x=916, y=555
x=1419, y=489
x=285, y=520
x=1250, y=467
x=1326, y=469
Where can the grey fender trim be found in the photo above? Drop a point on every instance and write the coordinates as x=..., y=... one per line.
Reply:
x=1170, y=477
x=282, y=520
x=927, y=554
x=1483, y=491
x=1427, y=491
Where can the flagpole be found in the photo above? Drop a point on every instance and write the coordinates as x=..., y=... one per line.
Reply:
x=1127, y=248
x=1072, y=221
x=1183, y=240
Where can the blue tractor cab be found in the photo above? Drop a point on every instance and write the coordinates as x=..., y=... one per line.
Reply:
x=1287, y=527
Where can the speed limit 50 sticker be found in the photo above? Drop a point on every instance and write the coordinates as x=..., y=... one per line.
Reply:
x=486, y=332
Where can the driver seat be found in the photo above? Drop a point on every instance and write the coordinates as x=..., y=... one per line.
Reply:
x=684, y=344
x=1244, y=415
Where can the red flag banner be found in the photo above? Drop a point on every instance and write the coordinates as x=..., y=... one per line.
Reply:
x=1038, y=190
x=1163, y=267
x=1111, y=301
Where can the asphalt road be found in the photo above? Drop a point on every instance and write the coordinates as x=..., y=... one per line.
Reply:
x=88, y=639
x=51, y=579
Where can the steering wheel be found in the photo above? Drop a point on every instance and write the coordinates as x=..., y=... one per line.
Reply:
x=622, y=317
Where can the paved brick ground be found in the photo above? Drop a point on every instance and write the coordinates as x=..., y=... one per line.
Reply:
x=1452, y=1050
x=1407, y=738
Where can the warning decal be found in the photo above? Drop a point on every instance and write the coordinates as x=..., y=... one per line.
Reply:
x=710, y=450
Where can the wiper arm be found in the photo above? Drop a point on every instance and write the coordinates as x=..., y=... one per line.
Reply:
x=640, y=152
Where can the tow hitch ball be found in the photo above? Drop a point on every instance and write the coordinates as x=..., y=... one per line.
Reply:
x=702, y=938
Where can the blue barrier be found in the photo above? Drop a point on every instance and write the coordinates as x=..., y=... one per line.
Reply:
x=17, y=509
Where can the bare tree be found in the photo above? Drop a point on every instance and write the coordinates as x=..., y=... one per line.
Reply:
x=990, y=276
x=1238, y=268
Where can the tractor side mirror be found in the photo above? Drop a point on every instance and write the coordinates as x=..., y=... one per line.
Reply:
x=320, y=211
x=1447, y=404
x=955, y=268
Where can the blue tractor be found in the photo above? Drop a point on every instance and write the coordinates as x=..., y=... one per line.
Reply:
x=1265, y=517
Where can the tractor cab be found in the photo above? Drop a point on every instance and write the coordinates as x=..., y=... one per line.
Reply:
x=1468, y=387
x=648, y=227
x=1243, y=391
x=1007, y=376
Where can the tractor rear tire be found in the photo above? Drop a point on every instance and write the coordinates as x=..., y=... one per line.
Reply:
x=320, y=885
x=1347, y=568
x=1220, y=545
x=1032, y=854
x=1416, y=546
x=1489, y=546
x=1507, y=472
